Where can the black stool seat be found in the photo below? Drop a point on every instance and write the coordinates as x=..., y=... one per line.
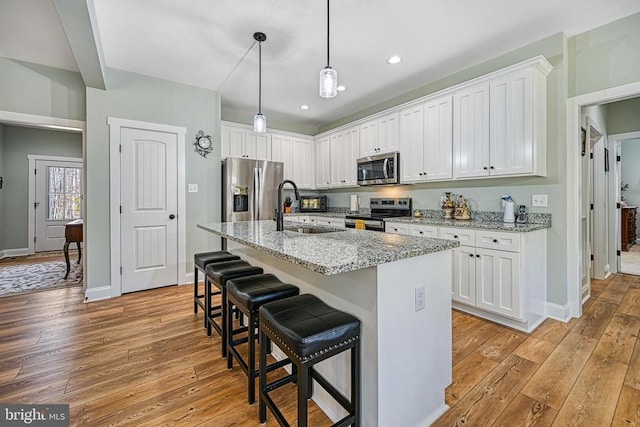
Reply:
x=307, y=326
x=308, y=331
x=218, y=274
x=248, y=294
x=200, y=262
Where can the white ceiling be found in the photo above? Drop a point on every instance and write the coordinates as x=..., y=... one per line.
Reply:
x=199, y=42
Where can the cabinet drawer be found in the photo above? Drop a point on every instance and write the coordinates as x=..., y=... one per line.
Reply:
x=396, y=228
x=307, y=219
x=331, y=222
x=465, y=236
x=423, y=230
x=502, y=241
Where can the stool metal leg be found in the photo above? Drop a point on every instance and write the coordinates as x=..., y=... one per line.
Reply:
x=195, y=289
x=355, y=383
x=262, y=405
x=303, y=391
x=207, y=304
x=251, y=334
x=223, y=320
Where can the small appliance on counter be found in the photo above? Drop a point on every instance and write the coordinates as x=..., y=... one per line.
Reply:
x=380, y=209
x=509, y=209
x=315, y=203
x=522, y=215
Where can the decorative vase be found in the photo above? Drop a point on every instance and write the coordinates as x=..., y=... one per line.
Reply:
x=447, y=212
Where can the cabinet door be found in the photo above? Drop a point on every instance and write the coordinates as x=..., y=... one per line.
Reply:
x=351, y=152
x=423, y=230
x=330, y=222
x=412, y=144
x=337, y=163
x=281, y=152
x=257, y=146
x=471, y=132
x=464, y=275
x=231, y=142
x=388, y=133
x=323, y=162
x=396, y=228
x=498, y=283
x=302, y=163
x=369, y=138
x=511, y=131
x=438, y=140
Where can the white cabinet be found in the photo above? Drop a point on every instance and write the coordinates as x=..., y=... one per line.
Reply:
x=379, y=135
x=426, y=141
x=500, y=273
x=307, y=219
x=471, y=132
x=323, y=163
x=423, y=230
x=240, y=142
x=292, y=218
x=330, y=221
x=396, y=228
x=344, y=154
x=297, y=155
x=499, y=126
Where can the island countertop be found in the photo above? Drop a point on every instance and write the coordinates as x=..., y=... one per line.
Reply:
x=328, y=253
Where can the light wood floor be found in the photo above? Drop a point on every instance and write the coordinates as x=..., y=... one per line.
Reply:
x=144, y=359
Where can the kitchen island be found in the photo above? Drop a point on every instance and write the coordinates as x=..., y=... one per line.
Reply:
x=406, y=350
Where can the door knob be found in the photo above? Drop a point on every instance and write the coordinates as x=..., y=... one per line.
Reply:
x=172, y=216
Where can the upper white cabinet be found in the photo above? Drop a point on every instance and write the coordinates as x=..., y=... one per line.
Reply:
x=379, y=135
x=240, y=142
x=426, y=141
x=471, y=131
x=344, y=154
x=297, y=155
x=323, y=163
x=499, y=125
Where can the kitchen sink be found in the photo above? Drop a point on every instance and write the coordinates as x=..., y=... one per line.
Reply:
x=313, y=230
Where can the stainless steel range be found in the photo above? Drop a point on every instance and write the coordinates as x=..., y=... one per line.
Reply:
x=381, y=208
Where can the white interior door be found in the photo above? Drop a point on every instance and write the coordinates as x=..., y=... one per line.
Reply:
x=58, y=200
x=149, y=202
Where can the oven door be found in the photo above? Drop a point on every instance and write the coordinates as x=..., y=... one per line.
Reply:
x=379, y=169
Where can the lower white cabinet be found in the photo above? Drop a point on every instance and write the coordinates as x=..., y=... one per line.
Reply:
x=307, y=219
x=330, y=221
x=396, y=228
x=423, y=230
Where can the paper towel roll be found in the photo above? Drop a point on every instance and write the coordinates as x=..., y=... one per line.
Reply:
x=354, y=203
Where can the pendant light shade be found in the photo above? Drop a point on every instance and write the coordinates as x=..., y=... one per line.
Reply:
x=328, y=76
x=259, y=121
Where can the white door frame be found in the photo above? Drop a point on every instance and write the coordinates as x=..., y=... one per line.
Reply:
x=615, y=244
x=32, y=158
x=574, y=184
x=45, y=122
x=115, y=124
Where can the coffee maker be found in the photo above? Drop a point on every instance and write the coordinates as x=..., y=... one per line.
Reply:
x=509, y=207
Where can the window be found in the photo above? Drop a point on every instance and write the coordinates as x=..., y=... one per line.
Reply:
x=64, y=196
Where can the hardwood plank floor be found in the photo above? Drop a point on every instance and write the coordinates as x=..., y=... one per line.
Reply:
x=144, y=359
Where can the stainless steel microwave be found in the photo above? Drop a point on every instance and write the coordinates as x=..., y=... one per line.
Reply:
x=313, y=203
x=379, y=169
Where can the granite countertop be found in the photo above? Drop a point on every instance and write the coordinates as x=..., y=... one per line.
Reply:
x=328, y=253
x=327, y=214
x=475, y=224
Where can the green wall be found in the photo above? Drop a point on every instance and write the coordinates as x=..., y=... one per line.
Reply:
x=623, y=116
x=39, y=90
x=136, y=97
x=1, y=189
x=605, y=57
x=18, y=142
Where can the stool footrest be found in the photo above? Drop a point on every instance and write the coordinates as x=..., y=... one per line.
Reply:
x=274, y=410
x=291, y=378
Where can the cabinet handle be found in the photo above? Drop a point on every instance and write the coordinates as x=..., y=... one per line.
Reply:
x=495, y=240
x=471, y=255
x=491, y=167
x=455, y=236
x=420, y=232
x=485, y=168
x=477, y=256
x=420, y=174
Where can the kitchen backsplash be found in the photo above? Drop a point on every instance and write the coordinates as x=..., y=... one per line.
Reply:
x=533, y=218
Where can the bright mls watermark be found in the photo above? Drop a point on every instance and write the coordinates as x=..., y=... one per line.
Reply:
x=34, y=415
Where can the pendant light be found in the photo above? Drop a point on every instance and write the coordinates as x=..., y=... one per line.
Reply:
x=328, y=76
x=259, y=121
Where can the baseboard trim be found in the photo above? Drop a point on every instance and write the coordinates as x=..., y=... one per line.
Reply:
x=558, y=312
x=96, y=294
x=14, y=252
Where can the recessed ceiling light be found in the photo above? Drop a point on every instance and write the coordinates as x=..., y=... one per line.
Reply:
x=394, y=60
x=341, y=88
x=304, y=107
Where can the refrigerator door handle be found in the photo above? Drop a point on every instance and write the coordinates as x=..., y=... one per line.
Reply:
x=256, y=194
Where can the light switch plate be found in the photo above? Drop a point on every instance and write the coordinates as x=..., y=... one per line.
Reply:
x=193, y=188
x=419, y=290
x=539, y=200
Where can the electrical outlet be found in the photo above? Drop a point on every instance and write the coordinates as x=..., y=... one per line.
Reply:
x=193, y=188
x=539, y=200
x=419, y=297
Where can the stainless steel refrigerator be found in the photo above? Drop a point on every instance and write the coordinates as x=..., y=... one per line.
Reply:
x=250, y=189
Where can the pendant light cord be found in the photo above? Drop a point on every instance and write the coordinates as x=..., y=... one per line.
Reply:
x=260, y=78
x=328, y=33
x=236, y=66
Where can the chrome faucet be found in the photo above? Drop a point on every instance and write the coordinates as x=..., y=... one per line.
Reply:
x=279, y=213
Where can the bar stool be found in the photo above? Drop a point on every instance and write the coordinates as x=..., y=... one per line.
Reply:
x=308, y=331
x=200, y=262
x=218, y=274
x=248, y=294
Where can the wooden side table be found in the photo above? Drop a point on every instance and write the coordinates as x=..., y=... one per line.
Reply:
x=72, y=233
